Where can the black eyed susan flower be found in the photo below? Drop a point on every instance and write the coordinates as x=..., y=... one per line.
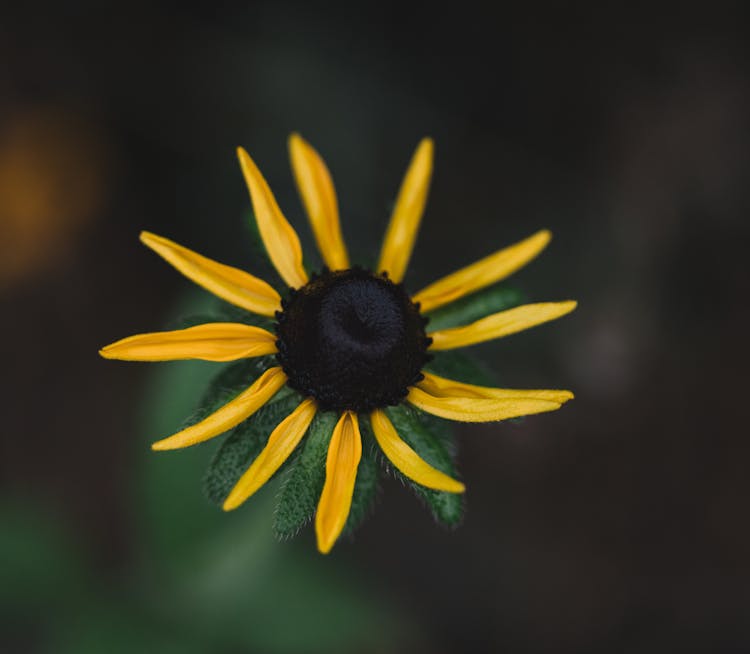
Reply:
x=342, y=362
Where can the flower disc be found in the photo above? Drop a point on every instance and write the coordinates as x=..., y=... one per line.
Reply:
x=352, y=340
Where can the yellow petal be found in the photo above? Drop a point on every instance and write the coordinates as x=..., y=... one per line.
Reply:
x=279, y=237
x=216, y=341
x=230, y=284
x=500, y=324
x=230, y=415
x=406, y=459
x=344, y=453
x=442, y=387
x=319, y=197
x=281, y=444
x=407, y=214
x=472, y=409
x=482, y=273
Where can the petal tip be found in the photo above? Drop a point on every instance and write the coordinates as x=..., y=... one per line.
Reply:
x=295, y=139
x=147, y=237
x=233, y=501
x=426, y=147
x=455, y=487
x=324, y=545
x=166, y=444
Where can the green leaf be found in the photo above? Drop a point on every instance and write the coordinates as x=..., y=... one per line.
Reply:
x=243, y=445
x=461, y=366
x=304, y=478
x=473, y=307
x=368, y=477
x=425, y=439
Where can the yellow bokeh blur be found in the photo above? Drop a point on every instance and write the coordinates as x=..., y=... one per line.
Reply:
x=52, y=184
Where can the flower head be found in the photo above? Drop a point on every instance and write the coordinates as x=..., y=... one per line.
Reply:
x=345, y=354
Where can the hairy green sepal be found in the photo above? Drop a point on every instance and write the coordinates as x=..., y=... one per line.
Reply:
x=243, y=443
x=368, y=479
x=304, y=477
x=432, y=441
x=228, y=384
x=242, y=446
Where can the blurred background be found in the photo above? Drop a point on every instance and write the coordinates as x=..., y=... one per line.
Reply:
x=618, y=524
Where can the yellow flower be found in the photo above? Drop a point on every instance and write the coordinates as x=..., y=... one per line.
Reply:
x=348, y=339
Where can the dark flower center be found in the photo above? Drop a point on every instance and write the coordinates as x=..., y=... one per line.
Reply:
x=351, y=340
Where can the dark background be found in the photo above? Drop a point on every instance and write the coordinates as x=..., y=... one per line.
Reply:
x=618, y=524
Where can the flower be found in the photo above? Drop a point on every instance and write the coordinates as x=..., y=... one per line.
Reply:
x=348, y=340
